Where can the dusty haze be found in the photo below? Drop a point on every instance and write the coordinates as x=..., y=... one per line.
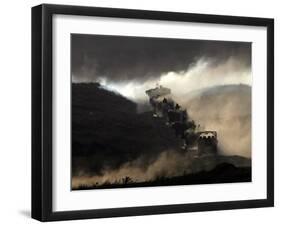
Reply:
x=211, y=79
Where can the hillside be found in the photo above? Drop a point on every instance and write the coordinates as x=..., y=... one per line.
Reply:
x=222, y=173
x=107, y=129
x=111, y=141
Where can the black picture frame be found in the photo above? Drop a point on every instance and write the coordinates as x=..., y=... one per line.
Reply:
x=42, y=111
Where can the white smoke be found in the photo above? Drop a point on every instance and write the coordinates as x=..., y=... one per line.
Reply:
x=203, y=74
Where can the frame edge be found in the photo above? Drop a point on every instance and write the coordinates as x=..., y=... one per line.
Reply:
x=36, y=69
x=270, y=112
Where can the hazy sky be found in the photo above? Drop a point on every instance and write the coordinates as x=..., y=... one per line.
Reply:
x=120, y=59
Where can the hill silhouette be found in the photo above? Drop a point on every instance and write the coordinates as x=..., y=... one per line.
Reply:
x=107, y=128
x=222, y=173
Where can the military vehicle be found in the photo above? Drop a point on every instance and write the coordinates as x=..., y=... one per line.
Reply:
x=158, y=92
x=156, y=97
x=207, y=142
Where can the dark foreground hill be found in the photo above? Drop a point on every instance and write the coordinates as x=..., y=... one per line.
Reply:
x=222, y=173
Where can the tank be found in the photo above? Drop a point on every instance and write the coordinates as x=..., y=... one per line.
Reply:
x=158, y=92
x=207, y=142
x=156, y=96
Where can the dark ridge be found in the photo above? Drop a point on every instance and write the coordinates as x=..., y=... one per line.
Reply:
x=222, y=173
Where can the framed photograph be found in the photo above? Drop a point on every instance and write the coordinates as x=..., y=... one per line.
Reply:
x=145, y=112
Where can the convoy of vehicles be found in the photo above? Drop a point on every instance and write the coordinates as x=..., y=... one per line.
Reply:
x=203, y=142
